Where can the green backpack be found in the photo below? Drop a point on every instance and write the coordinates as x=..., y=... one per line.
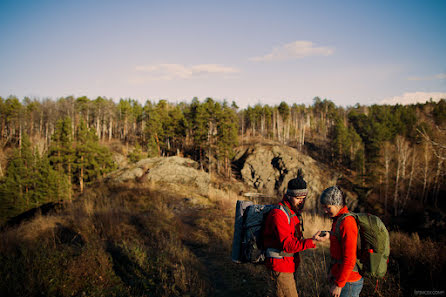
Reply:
x=373, y=243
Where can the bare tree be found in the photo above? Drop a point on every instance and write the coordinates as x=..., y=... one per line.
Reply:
x=412, y=171
x=402, y=148
x=387, y=159
x=438, y=144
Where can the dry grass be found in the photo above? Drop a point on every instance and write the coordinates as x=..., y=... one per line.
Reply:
x=425, y=251
x=314, y=223
x=29, y=232
x=131, y=240
x=112, y=242
x=417, y=264
x=311, y=275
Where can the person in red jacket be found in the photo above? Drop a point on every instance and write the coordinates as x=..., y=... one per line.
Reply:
x=344, y=274
x=283, y=239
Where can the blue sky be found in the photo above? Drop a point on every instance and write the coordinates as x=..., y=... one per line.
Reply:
x=248, y=51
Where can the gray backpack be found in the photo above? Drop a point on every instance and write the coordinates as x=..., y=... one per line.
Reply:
x=373, y=243
x=247, y=244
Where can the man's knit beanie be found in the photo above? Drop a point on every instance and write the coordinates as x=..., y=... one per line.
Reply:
x=332, y=196
x=297, y=186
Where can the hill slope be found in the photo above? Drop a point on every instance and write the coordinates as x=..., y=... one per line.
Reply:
x=140, y=237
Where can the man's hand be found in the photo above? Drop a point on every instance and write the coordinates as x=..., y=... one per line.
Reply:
x=335, y=291
x=317, y=236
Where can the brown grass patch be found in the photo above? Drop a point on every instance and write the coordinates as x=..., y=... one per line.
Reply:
x=133, y=240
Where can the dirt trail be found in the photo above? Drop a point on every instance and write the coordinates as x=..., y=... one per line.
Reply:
x=225, y=278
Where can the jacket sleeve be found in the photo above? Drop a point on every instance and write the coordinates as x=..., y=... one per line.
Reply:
x=349, y=237
x=285, y=233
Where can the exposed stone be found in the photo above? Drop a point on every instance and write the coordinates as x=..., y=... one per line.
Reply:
x=119, y=160
x=268, y=168
x=166, y=171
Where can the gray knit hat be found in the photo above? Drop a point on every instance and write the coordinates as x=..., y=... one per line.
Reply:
x=332, y=196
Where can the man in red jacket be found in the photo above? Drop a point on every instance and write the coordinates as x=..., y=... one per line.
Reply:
x=283, y=238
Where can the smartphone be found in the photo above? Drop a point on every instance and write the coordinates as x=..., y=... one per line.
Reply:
x=323, y=233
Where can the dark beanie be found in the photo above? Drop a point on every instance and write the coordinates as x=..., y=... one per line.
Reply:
x=297, y=186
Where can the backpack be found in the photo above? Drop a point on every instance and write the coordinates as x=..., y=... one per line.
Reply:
x=247, y=244
x=373, y=243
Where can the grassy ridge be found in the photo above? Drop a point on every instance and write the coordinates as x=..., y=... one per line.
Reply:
x=113, y=242
x=137, y=241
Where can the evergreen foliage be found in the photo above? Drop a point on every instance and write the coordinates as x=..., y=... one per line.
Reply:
x=136, y=154
x=375, y=142
x=91, y=160
x=29, y=181
x=62, y=155
x=439, y=112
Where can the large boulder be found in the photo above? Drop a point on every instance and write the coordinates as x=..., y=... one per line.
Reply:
x=268, y=168
x=165, y=171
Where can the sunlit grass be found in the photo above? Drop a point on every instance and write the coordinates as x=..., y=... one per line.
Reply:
x=135, y=240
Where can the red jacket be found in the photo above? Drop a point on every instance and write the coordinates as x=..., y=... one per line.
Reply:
x=281, y=235
x=344, y=250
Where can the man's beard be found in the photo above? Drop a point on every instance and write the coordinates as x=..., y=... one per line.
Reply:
x=298, y=208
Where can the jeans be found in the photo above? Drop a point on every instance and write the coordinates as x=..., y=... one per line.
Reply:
x=352, y=289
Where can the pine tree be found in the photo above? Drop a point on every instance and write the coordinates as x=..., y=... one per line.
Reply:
x=175, y=128
x=91, y=160
x=61, y=155
x=340, y=141
x=12, y=195
x=48, y=187
x=200, y=127
x=136, y=154
x=19, y=185
x=227, y=128
x=137, y=121
x=154, y=129
x=82, y=107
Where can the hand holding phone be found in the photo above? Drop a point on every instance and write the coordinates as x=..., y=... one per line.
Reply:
x=323, y=233
x=321, y=236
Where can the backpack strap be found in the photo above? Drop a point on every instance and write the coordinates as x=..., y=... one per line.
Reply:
x=287, y=212
x=337, y=230
x=337, y=234
x=276, y=253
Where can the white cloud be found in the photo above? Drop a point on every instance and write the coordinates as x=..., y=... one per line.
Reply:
x=413, y=98
x=173, y=71
x=213, y=68
x=439, y=76
x=295, y=50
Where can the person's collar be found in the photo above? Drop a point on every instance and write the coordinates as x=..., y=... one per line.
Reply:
x=342, y=211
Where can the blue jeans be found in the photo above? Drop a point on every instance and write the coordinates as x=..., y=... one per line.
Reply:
x=352, y=289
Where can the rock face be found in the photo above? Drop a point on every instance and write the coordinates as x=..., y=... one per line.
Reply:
x=268, y=168
x=164, y=171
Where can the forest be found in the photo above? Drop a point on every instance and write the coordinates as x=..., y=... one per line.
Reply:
x=67, y=229
x=52, y=149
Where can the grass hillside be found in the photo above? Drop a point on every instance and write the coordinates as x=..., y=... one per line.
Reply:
x=140, y=240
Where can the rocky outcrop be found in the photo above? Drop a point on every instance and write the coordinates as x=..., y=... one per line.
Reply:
x=120, y=160
x=268, y=168
x=164, y=171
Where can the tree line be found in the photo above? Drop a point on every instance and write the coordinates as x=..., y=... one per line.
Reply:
x=33, y=178
x=397, y=150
